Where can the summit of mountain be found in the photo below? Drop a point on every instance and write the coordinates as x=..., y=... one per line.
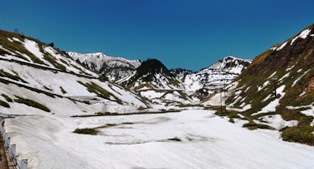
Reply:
x=209, y=80
x=110, y=67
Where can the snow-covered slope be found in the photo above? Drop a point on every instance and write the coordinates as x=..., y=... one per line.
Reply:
x=35, y=77
x=24, y=50
x=114, y=68
x=189, y=139
x=220, y=74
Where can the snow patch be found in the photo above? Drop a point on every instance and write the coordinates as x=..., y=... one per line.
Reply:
x=278, y=122
x=309, y=111
x=151, y=94
x=296, y=81
x=302, y=94
x=33, y=47
x=263, y=86
x=244, y=108
x=273, y=48
x=16, y=39
x=268, y=97
x=285, y=76
x=289, y=68
x=302, y=35
x=271, y=107
x=282, y=46
x=272, y=75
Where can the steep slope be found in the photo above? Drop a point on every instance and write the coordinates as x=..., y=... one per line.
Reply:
x=25, y=50
x=35, y=77
x=277, y=88
x=210, y=80
x=112, y=68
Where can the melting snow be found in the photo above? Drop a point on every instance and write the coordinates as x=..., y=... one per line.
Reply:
x=302, y=35
x=309, y=109
x=286, y=75
x=289, y=68
x=272, y=75
x=263, y=86
x=151, y=94
x=295, y=82
x=16, y=39
x=282, y=46
x=309, y=112
x=277, y=122
x=33, y=47
x=271, y=107
x=144, y=141
x=244, y=108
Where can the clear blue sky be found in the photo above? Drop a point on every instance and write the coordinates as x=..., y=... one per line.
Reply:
x=190, y=34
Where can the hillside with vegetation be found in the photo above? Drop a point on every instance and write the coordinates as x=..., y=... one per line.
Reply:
x=276, y=91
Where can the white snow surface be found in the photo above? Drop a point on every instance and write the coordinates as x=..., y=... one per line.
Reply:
x=217, y=75
x=33, y=47
x=55, y=82
x=151, y=94
x=144, y=141
x=99, y=59
x=277, y=122
x=281, y=46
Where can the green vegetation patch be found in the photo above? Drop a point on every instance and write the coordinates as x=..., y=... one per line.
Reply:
x=62, y=90
x=10, y=75
x=100, y=91
x=300, y=134
x=95, y=88
x=4, y=104
x=174, y=82
x=89, y=131
x=31, y=103
x=295, y=114
x=53, y=61
x=6, y=97
x=253, y=126
x=17, y=46
x=176, y=139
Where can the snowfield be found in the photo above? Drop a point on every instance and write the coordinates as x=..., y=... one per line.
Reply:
x=188, y=139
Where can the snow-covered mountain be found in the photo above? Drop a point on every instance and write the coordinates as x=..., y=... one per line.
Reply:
x=35, y=77
x=210, y=80
x=113, y=68
x=153, y=81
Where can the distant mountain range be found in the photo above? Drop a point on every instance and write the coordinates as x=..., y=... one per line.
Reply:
x=201, y=84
